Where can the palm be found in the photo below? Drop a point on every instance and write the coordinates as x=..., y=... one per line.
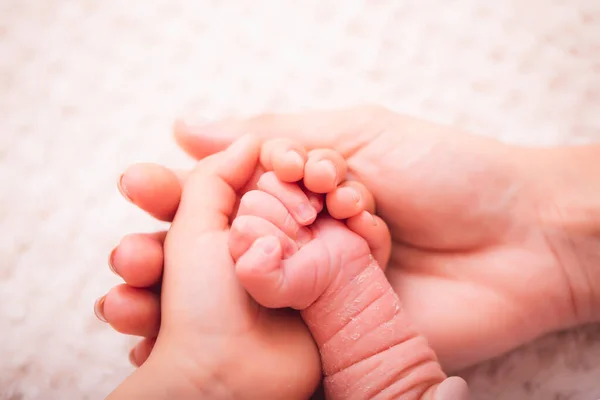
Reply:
x=462, y=218
x=207, y=316
x=462, y=236
x=235, y=324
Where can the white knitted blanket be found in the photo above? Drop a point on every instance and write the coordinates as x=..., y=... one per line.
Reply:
x=88, y=87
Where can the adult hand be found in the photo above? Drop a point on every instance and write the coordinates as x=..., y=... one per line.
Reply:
x=214, y=340
x=480, y=259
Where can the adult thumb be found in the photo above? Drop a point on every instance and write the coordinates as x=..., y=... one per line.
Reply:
x=344, y=130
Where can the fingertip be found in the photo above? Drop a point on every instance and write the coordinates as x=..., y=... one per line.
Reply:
x=132, y=311
x=123, y=188
x=344, y=202
x=153, y=188
x=199, y=141
x=349, y=199
x=289, y=166
x=140, y=353
x=324, y=170
x=375, y=232
x=453, y=388
x=138, y=259
x=285, y=157
x=320, y=176
x=240, y=161
x=210, y=196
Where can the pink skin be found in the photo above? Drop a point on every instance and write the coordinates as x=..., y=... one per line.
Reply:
x=405, y=367
x=438, y=189
x=134, y=308
x=369, y=347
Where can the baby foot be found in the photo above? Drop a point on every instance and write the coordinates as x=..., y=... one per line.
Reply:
x=330, y=270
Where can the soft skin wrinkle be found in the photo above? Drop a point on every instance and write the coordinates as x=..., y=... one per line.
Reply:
x=555, y=283
x=551, y=226
x=367, y=344
x=369, y=347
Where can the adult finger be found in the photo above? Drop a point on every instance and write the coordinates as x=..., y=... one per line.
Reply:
x=285, y=157
x=130, y=310
x=138, y=259
x=345, y=130
x=199, y=279
x=140, y=353
x=349, y=199
x=153, y=188
x=324, y=170
x=374, y=230
x=212, y=187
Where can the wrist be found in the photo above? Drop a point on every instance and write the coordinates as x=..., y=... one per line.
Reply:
x=570, y=178
x=567, y=190
x=165, y=378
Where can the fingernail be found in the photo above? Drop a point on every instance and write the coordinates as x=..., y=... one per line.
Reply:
x=99, y=308
x=122, y=188
x=303, y=236
x=353, y=193
x=306, y=213
x=316, y=202
x=111, y=261
x=328, y=165
x=374, y=219
x=368, y=214
x=268, y=244
x=132, y=358
x=294, y=158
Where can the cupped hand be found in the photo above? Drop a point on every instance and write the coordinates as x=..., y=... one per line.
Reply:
x=213, y=336
x=471, y=261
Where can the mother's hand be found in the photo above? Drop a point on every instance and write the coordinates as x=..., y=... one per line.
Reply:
x=464, y=213
x=214, y=340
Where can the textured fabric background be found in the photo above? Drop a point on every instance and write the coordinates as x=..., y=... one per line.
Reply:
x=88, y=87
